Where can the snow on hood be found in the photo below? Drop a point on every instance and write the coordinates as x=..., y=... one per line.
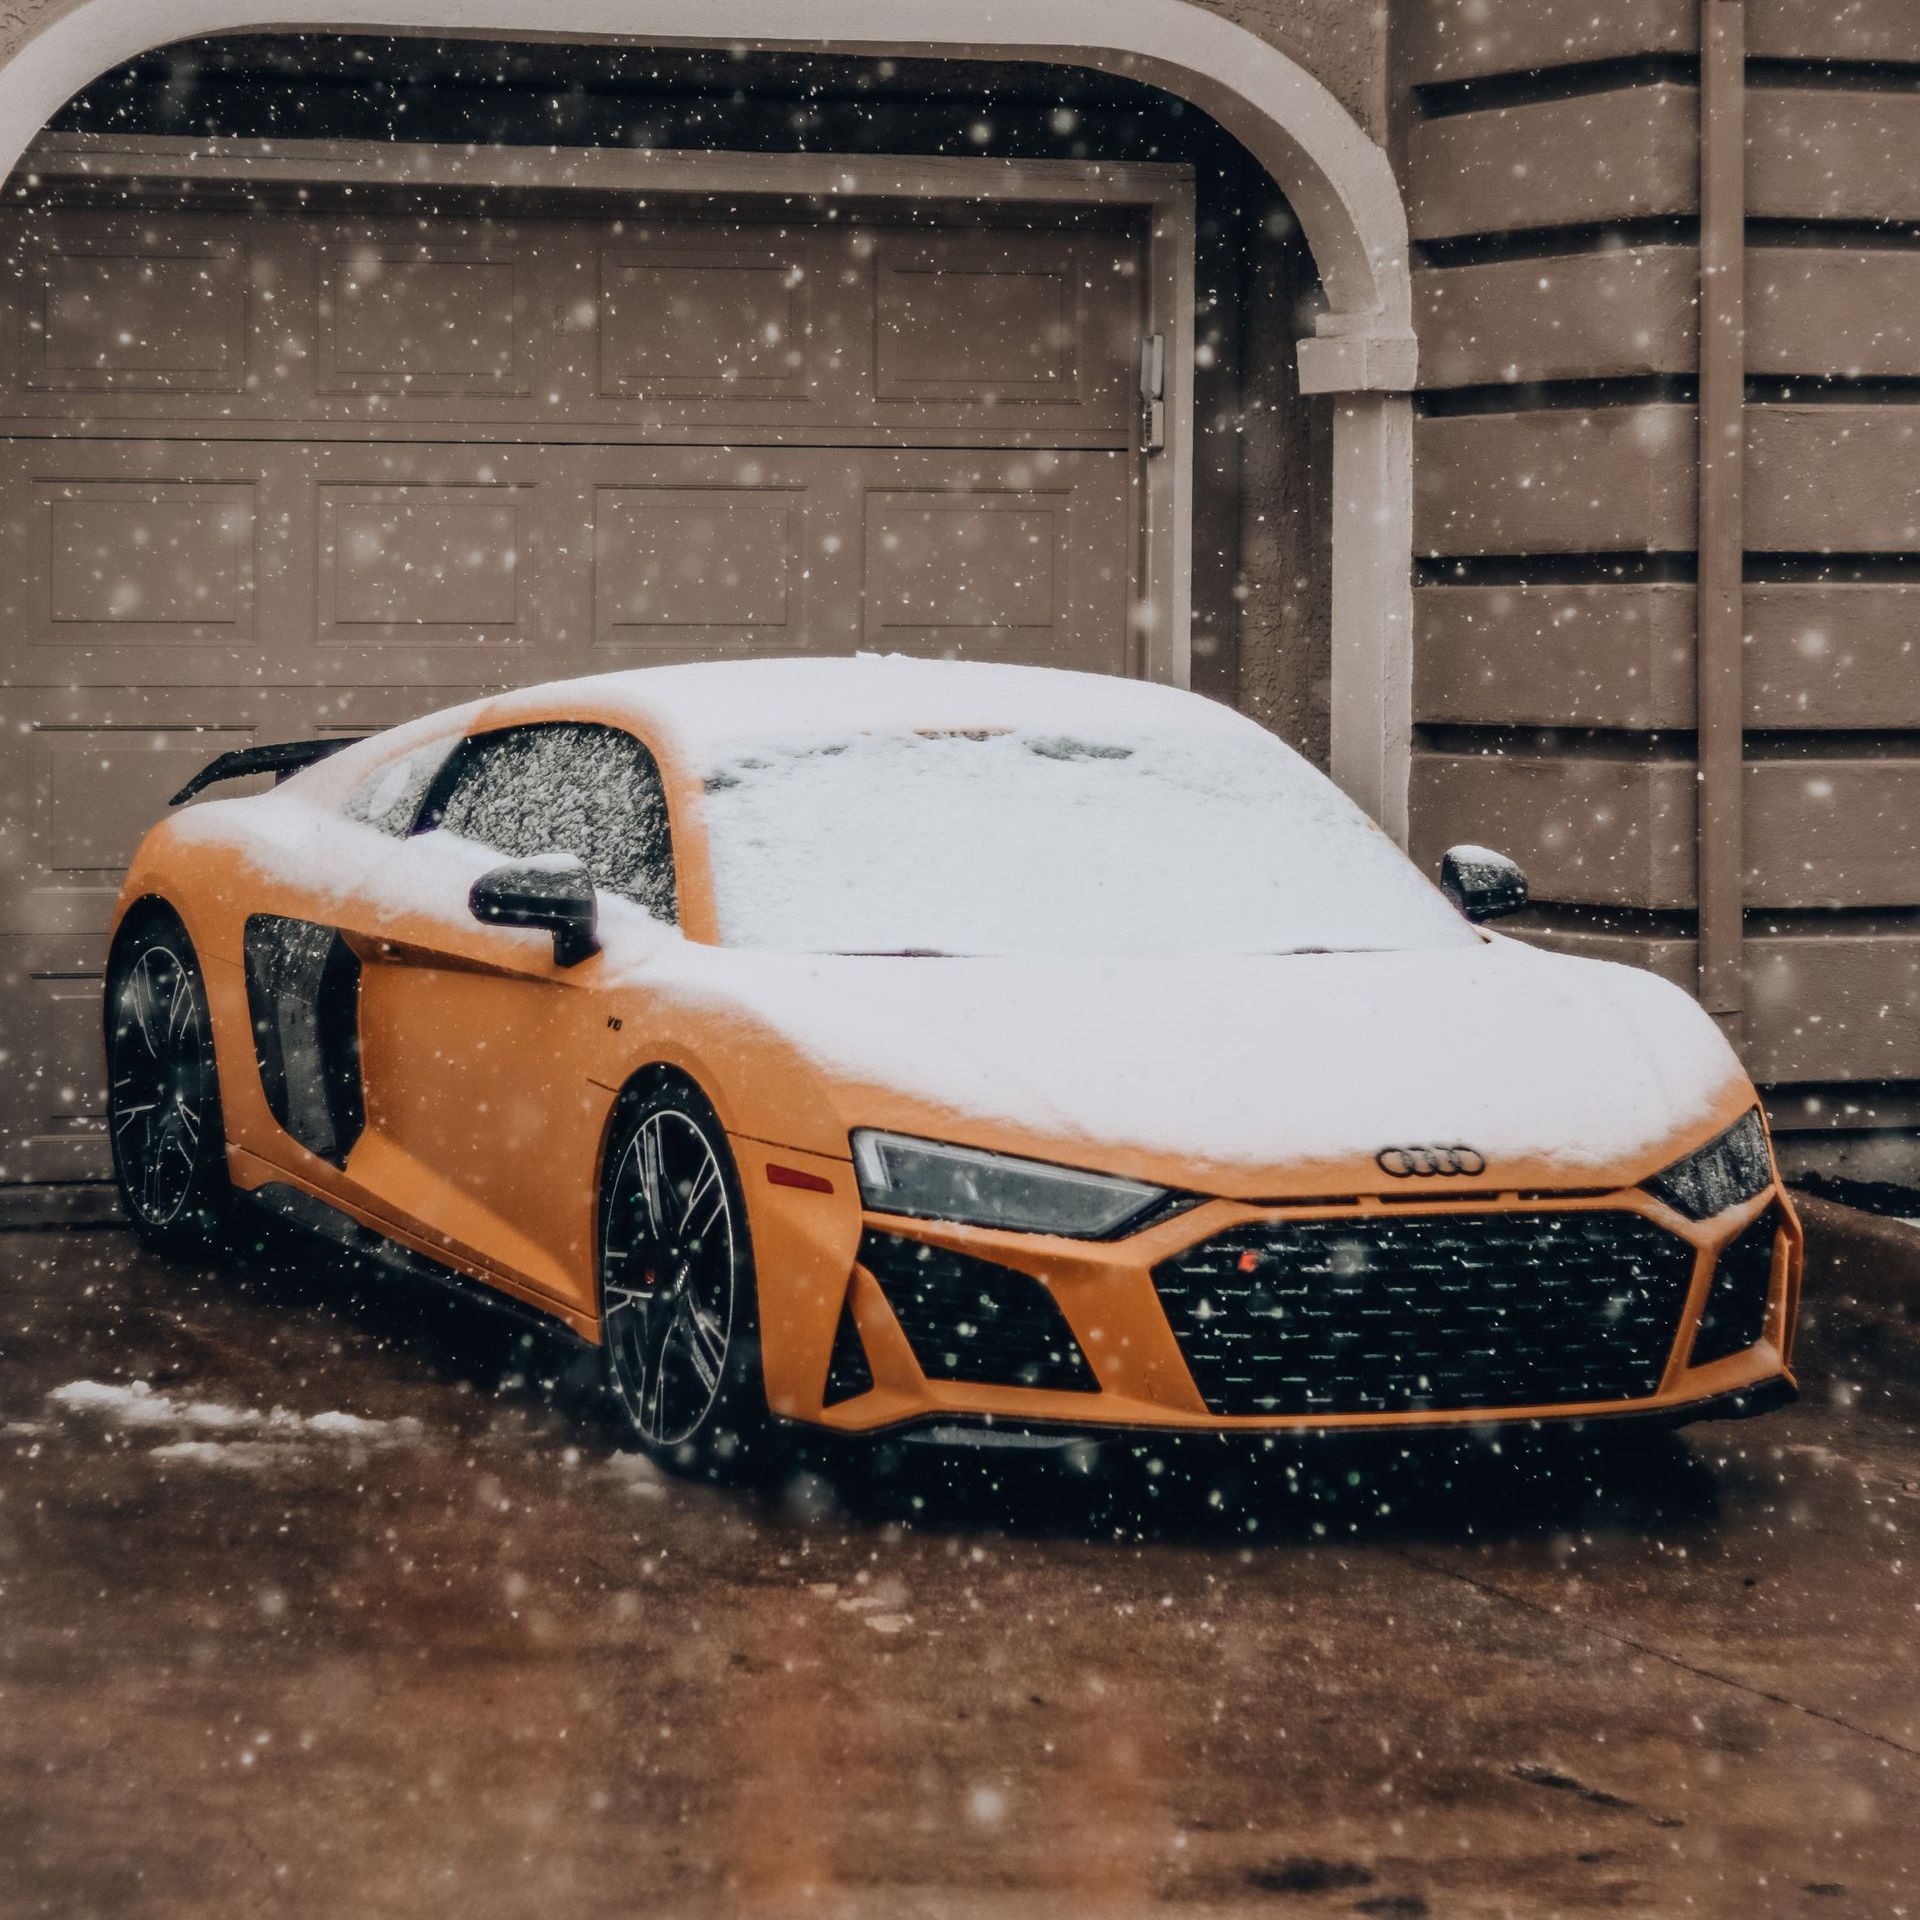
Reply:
x=1260, y=1061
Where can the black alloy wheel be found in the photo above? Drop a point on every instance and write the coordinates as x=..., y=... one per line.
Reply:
x=677, y=1285
x=163, y=1089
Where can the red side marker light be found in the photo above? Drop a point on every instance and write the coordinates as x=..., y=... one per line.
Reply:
x=780, y=1176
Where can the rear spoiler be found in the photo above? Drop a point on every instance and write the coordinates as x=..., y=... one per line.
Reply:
x=280, y=759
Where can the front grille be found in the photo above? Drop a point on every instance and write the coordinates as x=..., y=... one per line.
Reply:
x=972, y=1320
x=1434, y=1312
x=1735, y=1315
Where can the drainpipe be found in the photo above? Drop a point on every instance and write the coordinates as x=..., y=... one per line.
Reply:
x=1722, y=533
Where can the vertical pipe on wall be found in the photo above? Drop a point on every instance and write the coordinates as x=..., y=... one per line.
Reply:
x=1722, y=533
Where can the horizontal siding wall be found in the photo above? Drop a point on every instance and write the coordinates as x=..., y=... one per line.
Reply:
x=1551, y=158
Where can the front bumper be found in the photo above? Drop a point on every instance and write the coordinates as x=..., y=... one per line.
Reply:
x=888, y=1366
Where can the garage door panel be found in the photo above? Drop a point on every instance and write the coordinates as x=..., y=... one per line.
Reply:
x=723, y=319
x=52, y=1061
x=93, y=793
x=693, y=329
x=404, y=317
x=1021, y=561
x=976, y=317
x=1035, y=332
x=119, y=308
x=688, y=570
x=133, y=562
x=427, y=561
x=166, y=563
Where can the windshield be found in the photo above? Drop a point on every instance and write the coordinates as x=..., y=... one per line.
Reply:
x=1023, y=843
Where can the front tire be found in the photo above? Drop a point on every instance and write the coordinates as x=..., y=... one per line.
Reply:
x=163, y=1086
x=677, y=1293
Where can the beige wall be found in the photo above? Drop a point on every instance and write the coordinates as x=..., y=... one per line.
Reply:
x=1555, y=212
x=1342, y=43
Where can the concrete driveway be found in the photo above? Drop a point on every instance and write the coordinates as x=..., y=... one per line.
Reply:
x=324, y=1596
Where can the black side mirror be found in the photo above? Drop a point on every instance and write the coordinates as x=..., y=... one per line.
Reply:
x=558, y=898
x=1481, y=883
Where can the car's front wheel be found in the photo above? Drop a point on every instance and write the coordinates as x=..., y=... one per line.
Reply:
x=163, y=1089
x=677, y=1296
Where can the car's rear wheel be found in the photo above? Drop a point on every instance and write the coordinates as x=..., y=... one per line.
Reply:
x=677, y=1295
x=163, y=1087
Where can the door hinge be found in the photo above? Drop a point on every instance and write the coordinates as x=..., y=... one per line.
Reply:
x=1153, y=392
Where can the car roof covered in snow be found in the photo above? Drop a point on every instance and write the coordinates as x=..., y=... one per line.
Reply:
x=708, y=714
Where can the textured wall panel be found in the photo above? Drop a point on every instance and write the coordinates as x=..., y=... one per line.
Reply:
x=1600, y=156
x=1601, y=656
x=1833, y=479
x=1842, y=154
x=1831, y=310
x=1605, y=832
x=1609, y=479
x=1833, y=833
x=1818, y=654
x=1567, y=317
x=1437, y=40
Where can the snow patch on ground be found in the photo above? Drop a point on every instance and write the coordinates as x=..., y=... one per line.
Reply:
x=237, y=1456
x=211, y=1433
x=637, y=1475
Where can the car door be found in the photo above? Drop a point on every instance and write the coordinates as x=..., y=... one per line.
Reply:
x=482, y=1123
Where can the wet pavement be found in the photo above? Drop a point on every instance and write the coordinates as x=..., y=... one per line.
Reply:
x=327, y=1596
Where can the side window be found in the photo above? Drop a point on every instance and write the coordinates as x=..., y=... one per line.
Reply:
x=389, y=798
x=564, y=787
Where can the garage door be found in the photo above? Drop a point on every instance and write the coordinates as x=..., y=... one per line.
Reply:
x=300, y=469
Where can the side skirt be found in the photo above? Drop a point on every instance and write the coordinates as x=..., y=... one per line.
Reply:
x=315, y=1216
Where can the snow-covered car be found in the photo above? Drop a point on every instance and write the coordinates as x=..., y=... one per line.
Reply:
x=878, y=1044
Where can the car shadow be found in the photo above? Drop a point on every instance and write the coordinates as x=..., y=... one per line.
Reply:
x=1231, y=1491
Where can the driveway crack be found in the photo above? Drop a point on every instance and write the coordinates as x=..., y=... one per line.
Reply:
x=1493, y=1590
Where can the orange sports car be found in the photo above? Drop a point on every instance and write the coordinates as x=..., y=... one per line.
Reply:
x=879, y=1044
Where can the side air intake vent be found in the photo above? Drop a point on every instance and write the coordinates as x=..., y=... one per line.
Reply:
x=973, y=1320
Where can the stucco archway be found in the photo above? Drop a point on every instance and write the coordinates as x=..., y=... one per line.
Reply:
x=1337, y=179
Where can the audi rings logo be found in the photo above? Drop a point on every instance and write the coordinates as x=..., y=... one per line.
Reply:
x=1428, y=1163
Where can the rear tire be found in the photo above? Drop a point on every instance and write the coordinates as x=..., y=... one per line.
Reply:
x=163, y=1086
x=678, y=1309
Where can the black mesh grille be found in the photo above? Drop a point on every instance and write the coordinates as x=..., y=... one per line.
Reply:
x=971, y=1320
x=1736, y=1310
x=1428, y=1312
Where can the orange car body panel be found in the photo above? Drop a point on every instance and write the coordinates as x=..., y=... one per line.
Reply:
x=494, y=1075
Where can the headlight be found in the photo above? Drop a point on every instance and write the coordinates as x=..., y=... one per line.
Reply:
x=1721, y=1174
x=935, y=1182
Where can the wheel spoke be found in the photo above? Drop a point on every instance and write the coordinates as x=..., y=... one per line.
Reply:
x=653, y=1397
x=706, y=1342
x=180, y=1007
x=140, y=996
x=707, y=1180
x=651, y=1185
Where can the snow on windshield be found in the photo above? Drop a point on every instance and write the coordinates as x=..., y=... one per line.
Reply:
x=1023, y=842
